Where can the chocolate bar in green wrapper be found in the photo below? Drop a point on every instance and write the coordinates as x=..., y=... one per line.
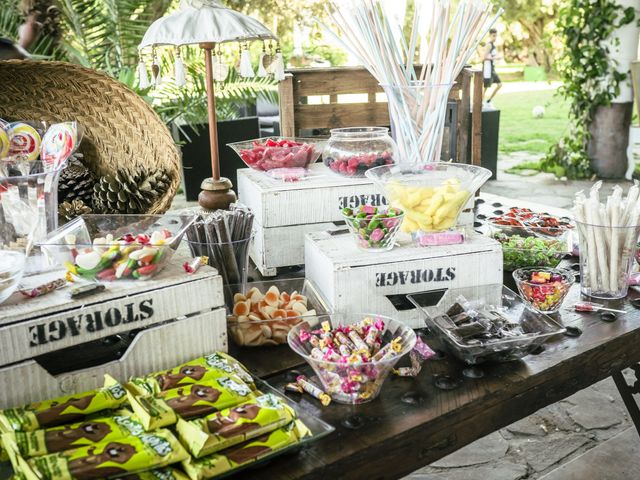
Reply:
x=116, y=458
x=245, y=453
x=200, y=370
x=159, y=474
x=67, y=437
x=71, y=408
x=215, y=432
x=190, y=401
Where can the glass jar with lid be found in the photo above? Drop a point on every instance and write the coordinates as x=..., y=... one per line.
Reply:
x=354, y=150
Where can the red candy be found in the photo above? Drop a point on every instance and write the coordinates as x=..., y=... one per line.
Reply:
x=147, y=269
x=278, y=154
x=356, y=165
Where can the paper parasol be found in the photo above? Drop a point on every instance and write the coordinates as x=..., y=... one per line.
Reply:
x=207, y=23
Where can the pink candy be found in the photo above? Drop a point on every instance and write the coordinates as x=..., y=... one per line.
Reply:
x=440, y=238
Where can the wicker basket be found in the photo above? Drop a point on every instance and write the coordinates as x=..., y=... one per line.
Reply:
x=121, y=132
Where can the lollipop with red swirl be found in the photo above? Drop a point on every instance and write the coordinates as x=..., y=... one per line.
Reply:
x=58, y=144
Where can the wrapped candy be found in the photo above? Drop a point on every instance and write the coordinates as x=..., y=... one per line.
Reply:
x=195, y=264
x=418, y=355
x=62, y=410
x=39, y=290
x=229, y=427
x=351, y=361
x=312, y=390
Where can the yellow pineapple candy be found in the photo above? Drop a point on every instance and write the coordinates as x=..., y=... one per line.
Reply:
x=436, y=202
x=408, y=225
x=413, y=199
x=426, y=192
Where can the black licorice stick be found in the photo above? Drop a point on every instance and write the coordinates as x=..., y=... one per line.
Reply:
x=192, y=237
x=210, y=240
x=227, y=249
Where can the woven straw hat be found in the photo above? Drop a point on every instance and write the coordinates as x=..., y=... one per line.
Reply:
x=121, y=132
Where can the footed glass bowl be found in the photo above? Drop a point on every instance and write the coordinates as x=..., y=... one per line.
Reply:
x=544, y=289
x=352, y=383
x=281, y=156
x=431, y=195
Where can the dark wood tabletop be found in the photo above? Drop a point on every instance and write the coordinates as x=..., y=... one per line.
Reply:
x=413, y=423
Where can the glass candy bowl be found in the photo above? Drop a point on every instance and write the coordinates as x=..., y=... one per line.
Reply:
x=544, y=289
x=116, y=247
x=352, y=151
x=356, y=382
x=431, y=195
x=262, y=313
x=373, y=228
x=286, y=158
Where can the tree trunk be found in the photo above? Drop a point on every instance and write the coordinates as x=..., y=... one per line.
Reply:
x=609, y=131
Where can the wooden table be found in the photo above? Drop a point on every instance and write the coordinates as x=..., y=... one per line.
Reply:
x=413, y=423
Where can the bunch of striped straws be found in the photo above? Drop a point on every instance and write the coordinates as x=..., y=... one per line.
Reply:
x=417, y=85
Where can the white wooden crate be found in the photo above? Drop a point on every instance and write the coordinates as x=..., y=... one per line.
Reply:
x=156, y=348
x=355, y=280
x=285, y=212
x=162, y=310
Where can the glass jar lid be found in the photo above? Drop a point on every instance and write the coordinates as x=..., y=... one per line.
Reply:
x=354, y=133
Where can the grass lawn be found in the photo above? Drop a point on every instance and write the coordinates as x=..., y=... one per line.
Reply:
x=519, y=131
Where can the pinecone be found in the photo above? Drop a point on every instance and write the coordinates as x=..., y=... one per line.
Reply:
x=125, y=192
x=76, y=182
x=67, y=211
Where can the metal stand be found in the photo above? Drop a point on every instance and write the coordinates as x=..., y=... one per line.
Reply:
x=627, y=391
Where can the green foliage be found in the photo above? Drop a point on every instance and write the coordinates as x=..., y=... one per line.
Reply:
x=519, y=132
x=104, y=35
x=188, y=104
x=589, y=76
x=530, y=28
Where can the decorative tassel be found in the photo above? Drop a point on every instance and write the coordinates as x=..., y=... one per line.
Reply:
x=143, y=78
x=246, y=69
x=262, y=72
x=179, y=70
x=155, y=70
x=220, y=70
x=278, y=66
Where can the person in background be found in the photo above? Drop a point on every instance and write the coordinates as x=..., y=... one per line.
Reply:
x=489, y=69
x=27, y=35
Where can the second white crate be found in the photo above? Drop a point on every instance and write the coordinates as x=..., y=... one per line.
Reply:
x=355, y=280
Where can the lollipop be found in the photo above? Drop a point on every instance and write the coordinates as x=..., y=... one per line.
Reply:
x=24, y=140
x=58, y=143
x=4, y=143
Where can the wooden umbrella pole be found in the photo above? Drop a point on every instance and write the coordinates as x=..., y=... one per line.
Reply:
x=211, y=108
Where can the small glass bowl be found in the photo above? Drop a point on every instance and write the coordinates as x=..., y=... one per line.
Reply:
x=522, y=252
x=272, y=153
x=371, y=228
x=338, y=378
x=12, y=264
x=544, y=297
x=88, y=246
